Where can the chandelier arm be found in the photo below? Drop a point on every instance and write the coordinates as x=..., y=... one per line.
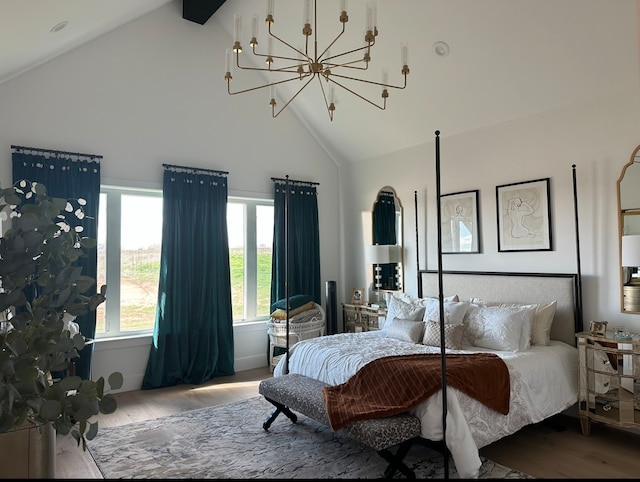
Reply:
x=269, y=69
x=331, y=45
x=383, y=107
x=258, y=54
x=348, y=65
x=364, y=47
x=365, y=81
x=304, y=54
x=324, y=96
x=294, y=96
x=269, y=85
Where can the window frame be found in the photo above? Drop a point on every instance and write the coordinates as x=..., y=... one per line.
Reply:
x=113, y=195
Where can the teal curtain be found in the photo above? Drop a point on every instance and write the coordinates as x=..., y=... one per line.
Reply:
x=296, y=206
x=69, y=175
x=384, y=232
x=193, y=332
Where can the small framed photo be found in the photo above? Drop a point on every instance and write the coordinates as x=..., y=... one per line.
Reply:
x=524, y=216
x=358, y=296
x=459, y=219
x=598, y=328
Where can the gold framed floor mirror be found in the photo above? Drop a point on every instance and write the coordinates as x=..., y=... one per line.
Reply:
x=628, y=193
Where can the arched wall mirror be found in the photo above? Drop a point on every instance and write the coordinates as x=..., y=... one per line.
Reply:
x=385, y=255
x=628, y=188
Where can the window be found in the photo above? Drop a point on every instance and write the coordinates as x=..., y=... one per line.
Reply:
x=129, y=259
x=250, y=227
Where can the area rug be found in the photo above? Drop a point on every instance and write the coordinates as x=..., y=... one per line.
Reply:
x=228, y=441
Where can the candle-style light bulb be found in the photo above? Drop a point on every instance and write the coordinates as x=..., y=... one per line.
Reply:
x=404, y=54
x=228, y=61
x=306, y=13
x=237, y=27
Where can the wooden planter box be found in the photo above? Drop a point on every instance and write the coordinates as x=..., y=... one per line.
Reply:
x=28, y=453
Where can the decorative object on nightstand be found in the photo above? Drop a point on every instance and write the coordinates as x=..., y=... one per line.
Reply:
x=379, y=254
x=598, y=328
x=357, y=296
x=609, y=380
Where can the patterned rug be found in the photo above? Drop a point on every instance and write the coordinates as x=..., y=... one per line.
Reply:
x=228, y=441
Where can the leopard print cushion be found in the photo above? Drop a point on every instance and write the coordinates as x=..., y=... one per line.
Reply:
x=304, y=395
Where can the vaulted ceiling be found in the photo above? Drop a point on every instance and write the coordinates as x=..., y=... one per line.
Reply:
x=508, y=58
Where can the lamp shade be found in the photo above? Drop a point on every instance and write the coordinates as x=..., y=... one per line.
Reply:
x=383, y=253
x=631, y=250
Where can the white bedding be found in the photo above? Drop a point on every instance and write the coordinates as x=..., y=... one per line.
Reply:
x=544, y=382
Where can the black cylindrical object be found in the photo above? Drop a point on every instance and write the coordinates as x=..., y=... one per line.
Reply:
x=332, y=308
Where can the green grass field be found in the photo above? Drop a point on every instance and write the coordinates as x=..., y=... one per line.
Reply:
x=139, y=288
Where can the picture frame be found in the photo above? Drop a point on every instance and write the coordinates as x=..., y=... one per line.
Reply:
x=459, y=222
x=524, y=216
x=357, y=297
x=598, y=328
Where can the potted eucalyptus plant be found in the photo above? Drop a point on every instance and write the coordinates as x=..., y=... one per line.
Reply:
x=40, y=286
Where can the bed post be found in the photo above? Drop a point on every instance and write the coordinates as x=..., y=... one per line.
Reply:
x=579, y=269
x=418, y=274
x=443, y=358
x=286, y=266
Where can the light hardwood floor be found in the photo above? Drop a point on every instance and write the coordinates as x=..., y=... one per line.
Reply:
x=548, y=450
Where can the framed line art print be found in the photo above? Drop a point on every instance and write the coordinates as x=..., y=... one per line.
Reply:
x=524, y=216
x=459, y=219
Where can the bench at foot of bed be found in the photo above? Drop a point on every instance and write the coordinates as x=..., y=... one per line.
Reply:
x=304, y=395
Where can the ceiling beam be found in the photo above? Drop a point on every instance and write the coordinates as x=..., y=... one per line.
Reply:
x=199, y=11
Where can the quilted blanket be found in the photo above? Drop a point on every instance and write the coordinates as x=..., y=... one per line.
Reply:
x=395, y=384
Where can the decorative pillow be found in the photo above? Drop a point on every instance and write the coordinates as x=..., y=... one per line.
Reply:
x=295, y=301
x=541, y=325
x=405, y=330
x=281, y=314
x=452, y=335
x=454, y=311
x=541, y=331
x=497, y=327
x=404, y=310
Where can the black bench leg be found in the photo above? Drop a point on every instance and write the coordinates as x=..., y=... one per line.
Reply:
x=395, y=460
x=280, y=408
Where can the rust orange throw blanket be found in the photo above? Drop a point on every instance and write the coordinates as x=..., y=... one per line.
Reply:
x=394, y=384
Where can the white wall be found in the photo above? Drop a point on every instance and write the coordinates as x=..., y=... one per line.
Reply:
x=153, y=92
x=598, y=137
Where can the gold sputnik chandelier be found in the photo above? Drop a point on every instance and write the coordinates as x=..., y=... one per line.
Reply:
x=304, y=64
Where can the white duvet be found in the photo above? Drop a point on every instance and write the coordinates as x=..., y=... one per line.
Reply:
x=544, y=382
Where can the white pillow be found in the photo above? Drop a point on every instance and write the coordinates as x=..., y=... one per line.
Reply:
x=454, y=311
x=404, y=310
x=542, y=320
x=498, y=327
x=541, y=331
x=404, y=330
x=452, y=335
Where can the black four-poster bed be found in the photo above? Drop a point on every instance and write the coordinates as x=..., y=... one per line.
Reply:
x=556, y=358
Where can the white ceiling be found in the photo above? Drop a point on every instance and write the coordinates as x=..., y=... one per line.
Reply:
x=509, y=58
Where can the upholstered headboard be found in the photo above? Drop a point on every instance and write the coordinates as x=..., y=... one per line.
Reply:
x=513, y=288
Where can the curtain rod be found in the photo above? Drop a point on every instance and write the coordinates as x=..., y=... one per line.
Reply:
x=57, y=152
x=296, y=181
x=196, y=169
